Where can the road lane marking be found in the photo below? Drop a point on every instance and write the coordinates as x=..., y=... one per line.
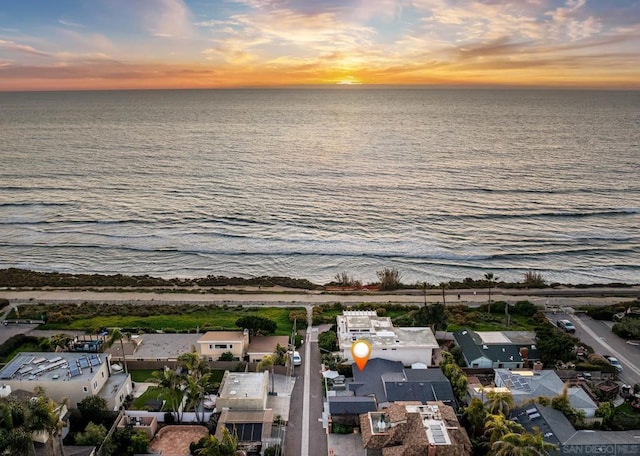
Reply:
x=627, y=363
x=304, y=448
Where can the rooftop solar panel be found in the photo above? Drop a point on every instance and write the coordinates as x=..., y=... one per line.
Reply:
x=83, y=362
x=95, y=360
x=10, y=371
x=74, y=371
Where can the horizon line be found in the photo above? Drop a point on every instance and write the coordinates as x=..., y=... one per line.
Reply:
x=338, y=86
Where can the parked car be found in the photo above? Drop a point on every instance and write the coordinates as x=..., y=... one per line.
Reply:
x=566, y=325
x=296, y=359
x=614, y=362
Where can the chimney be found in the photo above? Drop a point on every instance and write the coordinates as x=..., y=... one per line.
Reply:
x=432, y=449
x=524, y=354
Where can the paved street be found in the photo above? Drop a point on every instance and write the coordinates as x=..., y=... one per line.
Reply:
x=599, y=336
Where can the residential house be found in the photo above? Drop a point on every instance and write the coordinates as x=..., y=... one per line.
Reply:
x=407, y=345
x=347, y=409
x=526, y=385
x=413, y=428
x=243, y=391
x=389, y=381
x=261, y=346
x=213, y=344
x=497, y=349
x=557, y=430
x=73, y=376
x=242, y=399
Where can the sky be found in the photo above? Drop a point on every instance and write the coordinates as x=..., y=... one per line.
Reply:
x=148, y=44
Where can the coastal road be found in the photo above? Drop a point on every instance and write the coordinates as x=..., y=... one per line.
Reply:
x=599, y=336
x=549, y=297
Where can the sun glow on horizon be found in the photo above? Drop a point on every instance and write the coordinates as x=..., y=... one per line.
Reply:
x=191, y=44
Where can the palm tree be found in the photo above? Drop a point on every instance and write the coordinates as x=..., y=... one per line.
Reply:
x=475, y=414
x=443, y=285
x=490, y=278
x=497, y=426
x=228, y=446
x=522, y=444
x=41, y=418
x=169, y=379
x=115, y=336
x=499, y=402
x=424, y=287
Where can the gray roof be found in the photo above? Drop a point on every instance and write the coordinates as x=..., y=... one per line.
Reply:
x=389, y=381
x=369, y=381
x=419, y=385
x=473, y=347
x=557, y=429
x=553, y=425
x=351, y=405
x=541, y=383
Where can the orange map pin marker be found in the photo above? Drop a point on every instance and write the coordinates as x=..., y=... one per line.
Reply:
x=361, y=350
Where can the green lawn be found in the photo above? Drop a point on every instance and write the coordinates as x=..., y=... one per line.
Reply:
x=219, y=319
x=142, y=375
x=155, y=393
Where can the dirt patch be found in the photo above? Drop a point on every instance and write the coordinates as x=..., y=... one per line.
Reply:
x=174, y=440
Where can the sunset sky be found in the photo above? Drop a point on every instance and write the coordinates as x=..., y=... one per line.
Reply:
x=111, y=44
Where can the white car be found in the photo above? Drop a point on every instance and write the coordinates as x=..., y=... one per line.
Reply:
x=296, y=359
x=615, y=363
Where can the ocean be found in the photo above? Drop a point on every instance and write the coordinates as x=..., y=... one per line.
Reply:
x=440, y=184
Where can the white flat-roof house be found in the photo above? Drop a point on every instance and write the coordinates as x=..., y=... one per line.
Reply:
x=242, y=400
x=213, y=344
x=67, y=375
x=243, y=391
x=407, y=345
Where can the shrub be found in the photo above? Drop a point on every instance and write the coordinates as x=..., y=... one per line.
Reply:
x=226, y=356
x=389, y=279
x=602, y=313
x=328, y=341
x=524, y=308
x=342, y=429
x=272, y=451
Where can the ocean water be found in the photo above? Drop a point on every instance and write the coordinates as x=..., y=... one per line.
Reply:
x=441, y=184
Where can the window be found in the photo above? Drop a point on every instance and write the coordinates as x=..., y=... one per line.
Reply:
x=221, y=346
x=95, y=385
x=85, y=389
x=230, y=345
x=102, y=374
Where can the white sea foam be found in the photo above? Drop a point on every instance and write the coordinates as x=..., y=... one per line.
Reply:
x=307, y=183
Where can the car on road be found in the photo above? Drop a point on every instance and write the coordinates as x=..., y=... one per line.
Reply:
x=566, y=325
x=615, y=363
x=296, y=359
